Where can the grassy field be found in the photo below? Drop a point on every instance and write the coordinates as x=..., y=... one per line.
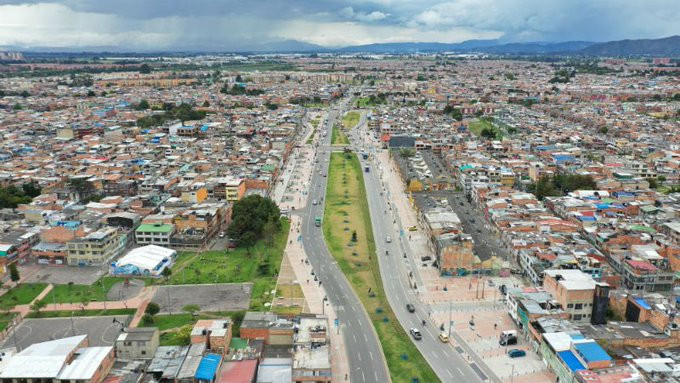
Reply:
x=95, y=292
x=21, y=295
x=365, y=102
x=338, y=137
x=350, y=119
x=80, y=313
x=479, y=124
x=6, y=319
x=261, y=267
x=346, y=210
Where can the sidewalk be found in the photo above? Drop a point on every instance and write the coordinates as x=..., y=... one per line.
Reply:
x=293, y=267
x=138, y=302
x=461, y=299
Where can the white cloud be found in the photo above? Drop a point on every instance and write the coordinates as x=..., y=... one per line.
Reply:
x=338, y=34
x=232, y=24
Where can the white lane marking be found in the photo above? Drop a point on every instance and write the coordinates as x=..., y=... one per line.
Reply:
x=450, y=374
x=371, y=354
x=434, y=354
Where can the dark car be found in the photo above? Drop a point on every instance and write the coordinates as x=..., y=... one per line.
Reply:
x=416, y=334
x=509, y=341
x=517, y=353
x=410, y=307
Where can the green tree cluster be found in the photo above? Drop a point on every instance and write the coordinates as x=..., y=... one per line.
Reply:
x=183, y=112
x=560, y=184
x=238, y=90
x=455, y=113
x=11, y=196
x=253, y=218
x=562, y=76
x=302, y=100
x=14, y=273
x=143, y=105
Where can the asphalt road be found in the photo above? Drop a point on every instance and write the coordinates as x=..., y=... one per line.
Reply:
x=365, y=357
x=449, y=363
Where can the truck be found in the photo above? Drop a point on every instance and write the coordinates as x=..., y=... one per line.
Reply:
x=317, y=221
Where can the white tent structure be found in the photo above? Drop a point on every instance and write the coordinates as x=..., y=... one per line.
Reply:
x=146, y=261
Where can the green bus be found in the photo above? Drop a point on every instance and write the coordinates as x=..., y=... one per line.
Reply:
x=317, y=221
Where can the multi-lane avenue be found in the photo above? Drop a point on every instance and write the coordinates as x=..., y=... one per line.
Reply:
x=365, y=357
x=449, y=362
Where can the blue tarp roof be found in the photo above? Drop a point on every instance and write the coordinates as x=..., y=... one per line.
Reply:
x=591, y=352
x=643, y=303
x=545, y=147
x=571, y=360
x=586, y=218
x=208, y=367
x=562, y=158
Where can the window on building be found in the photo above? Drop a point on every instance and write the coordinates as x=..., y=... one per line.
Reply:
x=569, y=305
x=578, y=306
x=576, y=317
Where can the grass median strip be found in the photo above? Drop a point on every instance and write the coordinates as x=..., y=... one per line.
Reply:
x=349, y=235
x=338, y=137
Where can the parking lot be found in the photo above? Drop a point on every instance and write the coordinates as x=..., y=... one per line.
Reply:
x=101, y=330
x=210, y=298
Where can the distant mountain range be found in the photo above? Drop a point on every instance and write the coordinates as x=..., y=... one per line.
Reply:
x=669, y=46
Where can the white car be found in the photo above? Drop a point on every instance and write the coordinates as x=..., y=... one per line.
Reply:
x=314, y=202
x=388, y=239
x=222, y=234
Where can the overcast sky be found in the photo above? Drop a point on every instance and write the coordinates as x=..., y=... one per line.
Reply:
x=237, y=24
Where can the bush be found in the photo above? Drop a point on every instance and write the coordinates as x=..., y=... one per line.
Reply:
x=152, y=308
x=147, y=319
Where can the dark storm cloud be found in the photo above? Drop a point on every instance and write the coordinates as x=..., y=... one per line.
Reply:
x=228, y=23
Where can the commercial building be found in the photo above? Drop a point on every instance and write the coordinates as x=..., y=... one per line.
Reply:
x=454, y=253
x=154, y=234
x=574, y=290
x=95, y=248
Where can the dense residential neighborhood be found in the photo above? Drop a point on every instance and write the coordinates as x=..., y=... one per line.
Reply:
x=228, y=218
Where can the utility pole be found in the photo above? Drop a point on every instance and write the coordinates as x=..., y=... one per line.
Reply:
x=169, y=307
x=73, y=329
x=14, y=331
x=449, y=318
